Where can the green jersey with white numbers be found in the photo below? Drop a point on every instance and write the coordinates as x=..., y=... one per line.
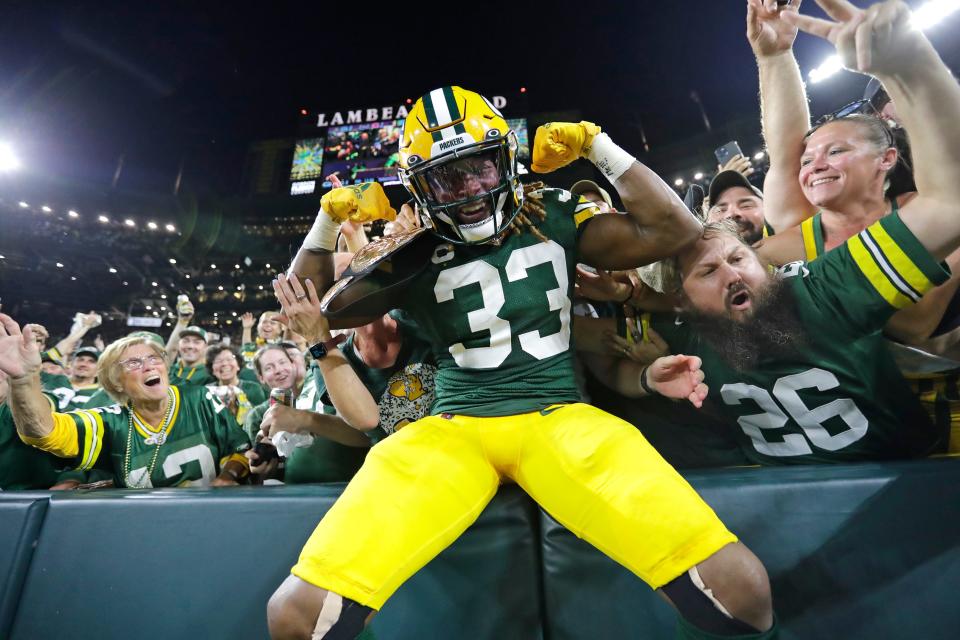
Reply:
x=498, y=317
x=82, y=396
x=200, y=436
x=840, y=397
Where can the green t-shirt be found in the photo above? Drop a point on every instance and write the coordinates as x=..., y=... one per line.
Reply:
x=201, y=435
x=180, y=374
x=498, y=317
x=23, y=466
x=404, y=392
x=841, y=397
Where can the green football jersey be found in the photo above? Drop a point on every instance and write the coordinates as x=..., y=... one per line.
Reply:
x=59, y=387
x=100, y=398
x=200, y=437
x=840, y=397
x=83, y=395
x=498, y=317
x=181, y=375
x=23, y=466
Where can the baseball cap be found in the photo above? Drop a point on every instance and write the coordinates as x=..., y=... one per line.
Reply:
x=93, y=352
x=589, y=185
x=194, y=330
x=149, y=335
x=728, y=179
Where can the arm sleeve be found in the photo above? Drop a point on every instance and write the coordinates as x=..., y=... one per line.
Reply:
x=873, y=274
x=78, y=435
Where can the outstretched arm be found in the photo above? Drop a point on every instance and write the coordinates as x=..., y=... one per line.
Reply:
x=881, y=41
x=784, y=112
x=69, y=344
x=20, y=360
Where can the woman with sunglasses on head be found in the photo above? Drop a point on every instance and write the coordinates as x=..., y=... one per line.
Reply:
x=157, y=435
x=829, y=182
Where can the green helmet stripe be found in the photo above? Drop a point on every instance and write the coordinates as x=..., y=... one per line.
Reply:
x=451, y=104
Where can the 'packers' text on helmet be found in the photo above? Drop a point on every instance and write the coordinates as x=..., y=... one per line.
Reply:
x=458, y=157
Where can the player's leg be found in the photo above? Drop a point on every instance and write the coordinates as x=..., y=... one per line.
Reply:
x=417, y=491
x=598, y=476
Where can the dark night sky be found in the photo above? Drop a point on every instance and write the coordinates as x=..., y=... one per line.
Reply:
x=82, y=83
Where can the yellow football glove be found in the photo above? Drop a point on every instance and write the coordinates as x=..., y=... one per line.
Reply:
x=358, y=203
x=557, y=144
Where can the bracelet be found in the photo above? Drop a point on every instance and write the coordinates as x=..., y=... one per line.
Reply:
x=643, y=381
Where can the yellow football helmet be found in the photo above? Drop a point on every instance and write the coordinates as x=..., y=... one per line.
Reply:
x=458, y=157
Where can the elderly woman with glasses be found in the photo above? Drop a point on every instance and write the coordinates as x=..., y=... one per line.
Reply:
x=157, y=435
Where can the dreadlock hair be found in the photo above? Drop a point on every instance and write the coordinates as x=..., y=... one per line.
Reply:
x=532, y=208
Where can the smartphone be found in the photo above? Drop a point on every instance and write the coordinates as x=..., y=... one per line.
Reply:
x=727, y=151
x=782, y=3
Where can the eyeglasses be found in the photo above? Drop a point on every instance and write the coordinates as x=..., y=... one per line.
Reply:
x=135, y=364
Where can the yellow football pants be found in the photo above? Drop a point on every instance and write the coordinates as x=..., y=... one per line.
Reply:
x=422, y=487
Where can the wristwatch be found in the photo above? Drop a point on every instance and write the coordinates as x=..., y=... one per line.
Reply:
x=320, y=350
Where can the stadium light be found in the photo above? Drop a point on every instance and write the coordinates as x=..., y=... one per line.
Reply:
x=220, y=288
x=73, y=214
x=173, y=261
x=236, y=266
x=73, y=277
x=148, y=307
x=698, y=175
x=23, y=205
x=152, y=225
x=129, y=222
x=929, y=15
x=112, y=270
x=125, y=283
x=8, y=159
x=234, y=313
x=46, y=209
x=163, y=296
x=678, y=182
x=267, y=265
x=171, y=228
x=3, y=257
x=103, y=218
x=261, y=286
x=213, y=266
x=59, y=265
x=187, y=276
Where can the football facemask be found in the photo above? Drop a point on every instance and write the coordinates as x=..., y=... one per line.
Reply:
x=459, y=161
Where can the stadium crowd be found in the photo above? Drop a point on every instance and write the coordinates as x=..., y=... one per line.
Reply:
x=810, y=318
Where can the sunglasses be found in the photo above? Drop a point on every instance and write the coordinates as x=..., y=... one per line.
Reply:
x=865, y=107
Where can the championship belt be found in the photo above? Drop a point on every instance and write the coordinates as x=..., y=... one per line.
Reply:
x=397, y=259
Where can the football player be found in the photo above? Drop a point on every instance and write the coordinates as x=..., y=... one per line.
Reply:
x=490, y=286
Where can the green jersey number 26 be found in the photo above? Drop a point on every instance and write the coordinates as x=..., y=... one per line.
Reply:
x=491, y=288
x=810, y=420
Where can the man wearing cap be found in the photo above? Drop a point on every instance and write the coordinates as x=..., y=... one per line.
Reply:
x=595, y=194
x=189, y=368
x=83, y=377
x=732, y=196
